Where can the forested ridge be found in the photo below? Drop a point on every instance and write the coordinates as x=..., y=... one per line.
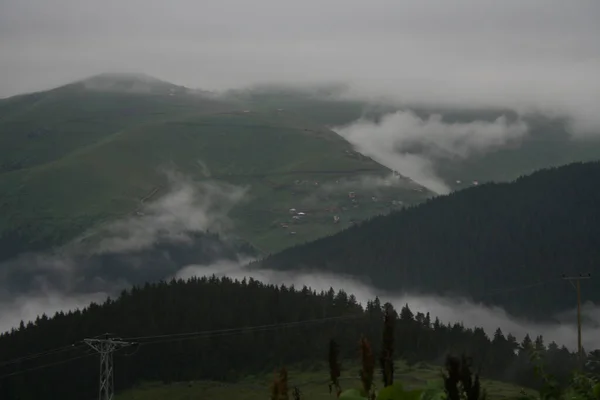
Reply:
x=473, y=241
x=144, y=314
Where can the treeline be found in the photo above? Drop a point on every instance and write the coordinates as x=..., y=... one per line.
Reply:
x=474, y=241
x=215, y=309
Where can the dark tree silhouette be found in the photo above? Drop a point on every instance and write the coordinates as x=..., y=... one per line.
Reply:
x=223, y=305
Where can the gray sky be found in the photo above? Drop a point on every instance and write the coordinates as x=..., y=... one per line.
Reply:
x=520, y=53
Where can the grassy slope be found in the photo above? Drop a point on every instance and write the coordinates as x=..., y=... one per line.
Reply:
x=547, y=144
x=313, y=385
x=321, y=110
x=43, y=127
x=491, y=236
x=73, y=177
x=71, y=158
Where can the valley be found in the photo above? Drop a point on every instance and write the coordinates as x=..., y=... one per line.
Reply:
x=74, y=179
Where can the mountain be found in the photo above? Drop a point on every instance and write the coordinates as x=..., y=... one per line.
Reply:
x=322, y=104
x=131, y=83
x=476, y=241
x=40, y=128
x=224, y=330
x=92, y=151
x=548, y=142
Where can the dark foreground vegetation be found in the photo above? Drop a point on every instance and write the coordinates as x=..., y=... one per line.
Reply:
x=476, y=240
x=189, y=330
x=457, y=380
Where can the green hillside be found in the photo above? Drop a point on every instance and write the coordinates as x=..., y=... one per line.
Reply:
x=75, y=157
x=43, y=127
x=472, y=242
x=89, y=152
x=320, y=104
x=547, y=144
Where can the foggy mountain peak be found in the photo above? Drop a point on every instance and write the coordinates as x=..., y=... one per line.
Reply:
x=130, y=83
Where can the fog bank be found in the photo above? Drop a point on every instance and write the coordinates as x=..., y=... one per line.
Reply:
x=525, y=55
x=448, y=310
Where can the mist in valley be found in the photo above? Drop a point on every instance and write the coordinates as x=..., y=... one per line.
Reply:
x=561, y=328
x=139, y=251
x=405, y=142
x=188, y=223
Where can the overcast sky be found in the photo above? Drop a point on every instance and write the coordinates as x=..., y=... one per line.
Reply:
x=510, y=52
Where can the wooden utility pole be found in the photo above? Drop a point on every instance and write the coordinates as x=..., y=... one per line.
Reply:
x=577, y=287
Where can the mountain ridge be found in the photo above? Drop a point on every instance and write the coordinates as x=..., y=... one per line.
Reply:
x=495, y=235
x=85, y=141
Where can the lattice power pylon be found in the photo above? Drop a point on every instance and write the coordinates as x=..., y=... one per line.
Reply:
x=106, y=347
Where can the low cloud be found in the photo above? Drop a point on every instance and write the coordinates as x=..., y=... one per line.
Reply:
x=186, y=208
x=542, y=55
x=375, y=185
x=449, y=310
x=161, y=238
x=231, y=268
x=562, y=329
x=46, y=283
x=369, y=183
x=29, y=307
x=411, y=145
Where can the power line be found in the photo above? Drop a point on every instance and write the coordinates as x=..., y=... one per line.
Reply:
x=88, y=354
x=238, y=331
x=251, y=328
x=47, y=365
x=516, y=288
x=165, y=338
x=215, y=335
x=225, y=332
x=41, y=354
x=245, y=329
x=107, y=346
x=57, y=350
x=577, y=287
x=171, y=338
